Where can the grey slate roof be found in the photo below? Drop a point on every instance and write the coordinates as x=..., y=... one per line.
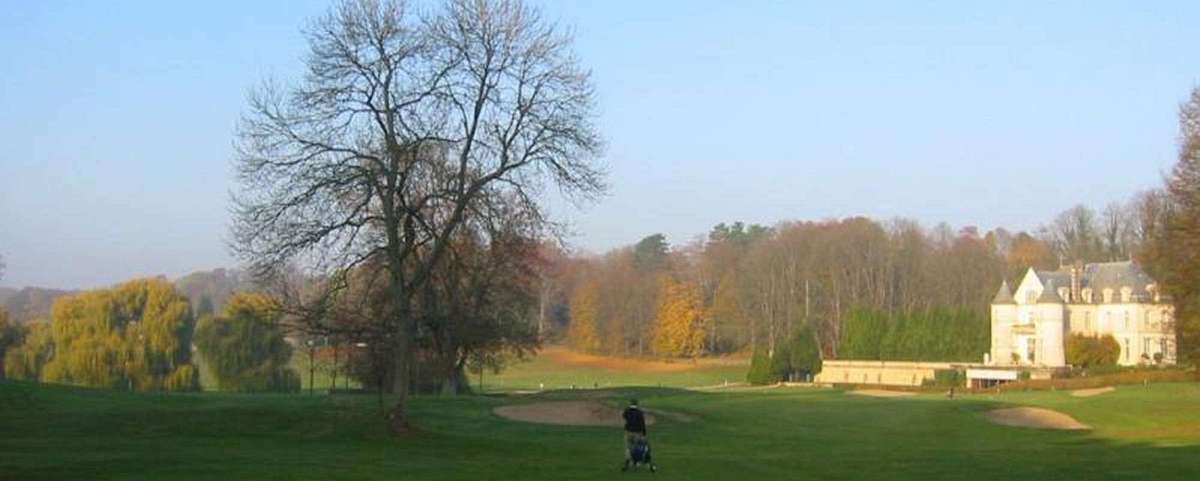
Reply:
x=1099, y=276
x=1060, y=278
x=1115, y=275
x=1004, y=295
x=1050, y=294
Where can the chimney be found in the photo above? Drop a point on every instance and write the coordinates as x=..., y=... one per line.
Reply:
x=1076, y=281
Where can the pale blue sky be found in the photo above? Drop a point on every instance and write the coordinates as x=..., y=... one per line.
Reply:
x=117, y=117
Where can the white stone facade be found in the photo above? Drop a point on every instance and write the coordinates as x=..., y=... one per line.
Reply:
x=1031, y=324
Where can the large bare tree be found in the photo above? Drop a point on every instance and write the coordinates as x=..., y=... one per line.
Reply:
x=405, y=128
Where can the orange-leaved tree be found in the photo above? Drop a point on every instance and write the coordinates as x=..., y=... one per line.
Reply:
x=585, y=314
x=679, y=327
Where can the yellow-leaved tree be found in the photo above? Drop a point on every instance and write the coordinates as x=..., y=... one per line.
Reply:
x=679, y=325
x=135, y=336
x=245, y=347
x=585, y=314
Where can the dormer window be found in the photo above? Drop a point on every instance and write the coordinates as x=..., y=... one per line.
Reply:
x=1062, y=293
x=1108, y=295
x=1126, y=294
x=1087, y=295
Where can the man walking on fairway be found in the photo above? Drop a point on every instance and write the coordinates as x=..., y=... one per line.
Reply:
x=635, y=429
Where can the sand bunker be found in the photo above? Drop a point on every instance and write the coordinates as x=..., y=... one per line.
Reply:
x=1035, y=418
x=1092, y=392
x=568, y=413
x=881, y=393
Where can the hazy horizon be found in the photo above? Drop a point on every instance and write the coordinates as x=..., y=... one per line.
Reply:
x=119, y=119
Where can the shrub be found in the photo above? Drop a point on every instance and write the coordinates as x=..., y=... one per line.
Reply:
x=946, y=378
x=1092, y=351
x=798, y=357
x=804, y=356
x=760, y=369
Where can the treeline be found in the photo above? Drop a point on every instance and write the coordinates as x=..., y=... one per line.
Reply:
x=208, y=292
x=939, y=334
x=140, y=336
x=748, y=287
x=869, y=289
x=136, y=336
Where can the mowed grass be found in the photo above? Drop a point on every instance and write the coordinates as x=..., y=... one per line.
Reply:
x=557, y=368
x=56, y=432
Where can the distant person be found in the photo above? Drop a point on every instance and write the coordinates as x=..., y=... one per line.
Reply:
x=635, y=430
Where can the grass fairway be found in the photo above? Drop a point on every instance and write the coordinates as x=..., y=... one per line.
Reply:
x=557, y=368
x=54, y=432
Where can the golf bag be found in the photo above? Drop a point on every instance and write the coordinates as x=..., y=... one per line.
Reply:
x=640, y=452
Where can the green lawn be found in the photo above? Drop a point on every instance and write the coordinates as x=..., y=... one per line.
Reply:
x=54, y=432
x=544, y=372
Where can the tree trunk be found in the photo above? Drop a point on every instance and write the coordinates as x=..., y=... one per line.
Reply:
x=333, y=374
x=401, y=379
x=455, y=382
x=402, y=374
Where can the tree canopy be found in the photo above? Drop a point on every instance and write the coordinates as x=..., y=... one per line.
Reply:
x=134, y=336
x=406, y=131
x=245, y=348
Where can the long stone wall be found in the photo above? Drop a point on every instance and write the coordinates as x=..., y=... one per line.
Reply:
x=889, y=373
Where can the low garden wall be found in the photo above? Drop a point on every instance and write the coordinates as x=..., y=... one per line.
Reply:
x=886, y=373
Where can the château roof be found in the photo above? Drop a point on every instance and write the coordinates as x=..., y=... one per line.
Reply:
x=1060, y=278
x=1049, y=294
x=1115, y=275
x=1004, y=295
x=1097, y=276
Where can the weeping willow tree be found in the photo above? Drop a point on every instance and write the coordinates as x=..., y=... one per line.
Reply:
x=135, y=336
x=245, y=347
x=10, y=336
x=26, y=360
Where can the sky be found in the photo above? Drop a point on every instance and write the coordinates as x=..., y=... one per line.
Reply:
x=117, y=118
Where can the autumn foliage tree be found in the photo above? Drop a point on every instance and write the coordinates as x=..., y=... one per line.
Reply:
x=27, y=359
x=585, y=313
x=1171, y=219
x=11, y=335
x=245, y=348
x=679, y=325
x=136, y=336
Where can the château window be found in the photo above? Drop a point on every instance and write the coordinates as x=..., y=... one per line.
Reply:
x=1108, y=296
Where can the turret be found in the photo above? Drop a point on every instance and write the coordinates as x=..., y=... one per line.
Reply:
x=1050, y=327
x=1004, y=316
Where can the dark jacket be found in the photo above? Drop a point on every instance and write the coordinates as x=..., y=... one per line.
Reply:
x=635, y=421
